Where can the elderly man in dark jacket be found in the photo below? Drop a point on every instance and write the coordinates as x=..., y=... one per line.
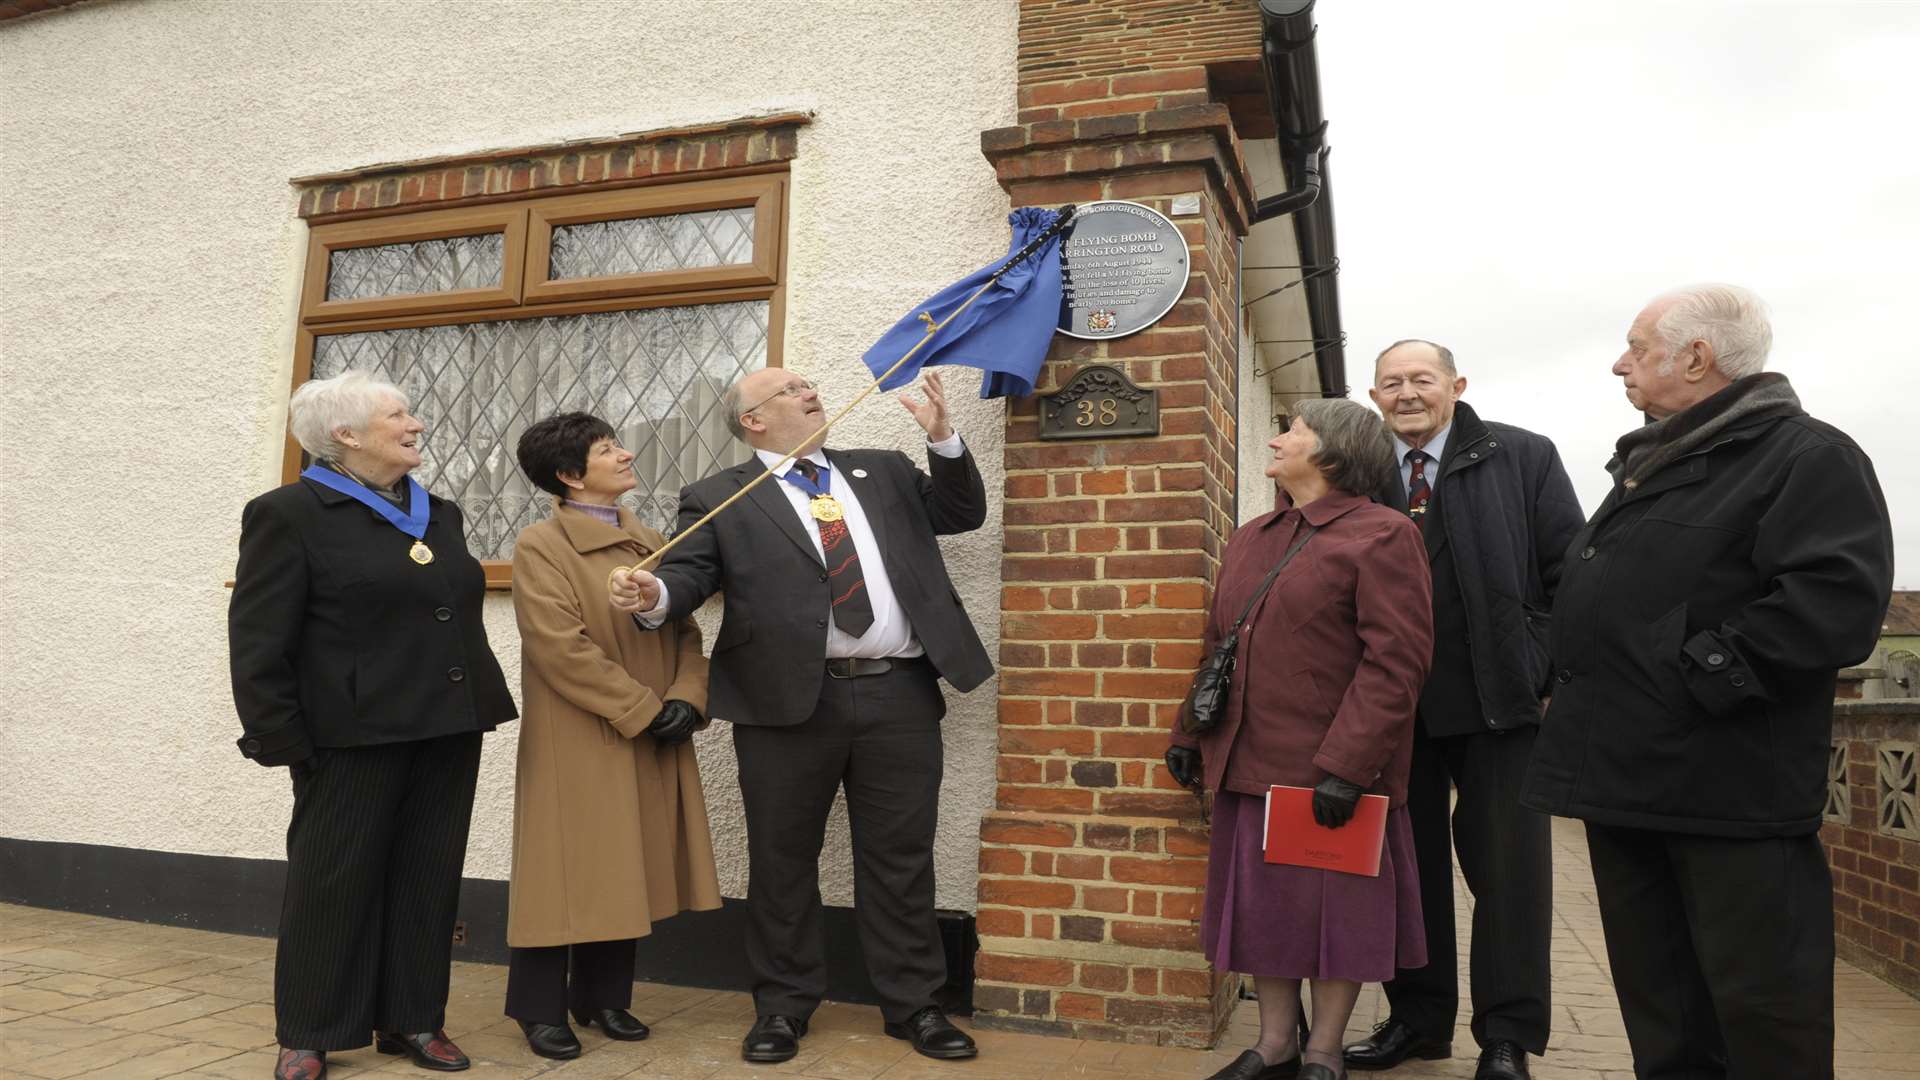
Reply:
x=1743, y=555
x=1496, y=511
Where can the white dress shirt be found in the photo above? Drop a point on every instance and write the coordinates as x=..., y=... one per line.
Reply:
x=1435, y=449
x=891, y=634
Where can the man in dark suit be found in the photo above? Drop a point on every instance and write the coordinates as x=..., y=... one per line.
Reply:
x=840, y=621
x=1496, y=510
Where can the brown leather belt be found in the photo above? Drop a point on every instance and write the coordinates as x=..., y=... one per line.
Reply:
x=853, y=667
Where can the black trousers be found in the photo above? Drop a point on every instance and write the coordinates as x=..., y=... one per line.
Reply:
x=1506, y=855
x=541, y=991
x=1722, y=952
x=374, y=852
x=878, y=737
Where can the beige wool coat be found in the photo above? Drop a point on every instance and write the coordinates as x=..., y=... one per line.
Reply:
x=609, y=827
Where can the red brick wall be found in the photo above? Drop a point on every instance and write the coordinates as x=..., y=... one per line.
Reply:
x=1876, y=874
x=711, y=150
x=1093, y=862
x=1082, y=39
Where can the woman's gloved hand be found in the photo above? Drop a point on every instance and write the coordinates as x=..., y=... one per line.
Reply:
x=675, y=723
x=1183, y=764
x=1334, y=800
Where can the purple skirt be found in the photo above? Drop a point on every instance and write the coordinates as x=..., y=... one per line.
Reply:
x=1299, y=922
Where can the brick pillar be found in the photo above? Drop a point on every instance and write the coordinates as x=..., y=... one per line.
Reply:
x=1093, y=862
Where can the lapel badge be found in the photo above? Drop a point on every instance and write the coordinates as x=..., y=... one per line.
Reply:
x=860, y=474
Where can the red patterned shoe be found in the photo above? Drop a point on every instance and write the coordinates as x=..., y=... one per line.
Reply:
x=429, y=1049
x=301, y=1065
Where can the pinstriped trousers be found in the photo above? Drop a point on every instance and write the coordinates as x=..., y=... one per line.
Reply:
x=374, y=854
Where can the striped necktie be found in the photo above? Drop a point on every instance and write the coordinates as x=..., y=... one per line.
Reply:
x=852, y=608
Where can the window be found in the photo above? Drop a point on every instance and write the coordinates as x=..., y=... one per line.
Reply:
x=639, y=305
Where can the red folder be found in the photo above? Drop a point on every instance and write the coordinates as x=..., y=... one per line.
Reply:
x=1294, y=838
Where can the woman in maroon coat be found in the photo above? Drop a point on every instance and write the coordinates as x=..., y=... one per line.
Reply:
x=1330, y=667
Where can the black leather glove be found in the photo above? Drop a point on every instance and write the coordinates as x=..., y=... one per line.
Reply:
x=675, y=723
x=1334, y=800
x=1183, y=764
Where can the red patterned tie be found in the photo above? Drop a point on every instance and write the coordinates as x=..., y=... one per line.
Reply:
x=1418, y=493
x=852, y=608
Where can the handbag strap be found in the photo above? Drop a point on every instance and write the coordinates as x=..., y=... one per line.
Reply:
x=1306, y=531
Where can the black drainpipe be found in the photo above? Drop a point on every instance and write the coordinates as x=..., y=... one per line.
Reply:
x=1293, y=95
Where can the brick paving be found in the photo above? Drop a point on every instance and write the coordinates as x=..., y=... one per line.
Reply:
x=88, y=996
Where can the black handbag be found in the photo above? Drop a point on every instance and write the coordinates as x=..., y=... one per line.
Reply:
x=1207, y=698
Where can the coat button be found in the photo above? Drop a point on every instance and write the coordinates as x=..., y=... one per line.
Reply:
x=442, y=613
x=1737, y=679
x=823, y=577
x=1587, y=553
x=1491, y=444
x=252, y=747
x=1565, y=676
x=455, y=674
x=819, y=622
x=1475, y=455
x=1715, y=659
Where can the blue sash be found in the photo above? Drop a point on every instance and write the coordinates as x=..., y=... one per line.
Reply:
x=799, y=479
x=413, y=522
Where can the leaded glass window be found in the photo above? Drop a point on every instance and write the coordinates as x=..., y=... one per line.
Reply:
x=642, y=245
x=655, y=374
x=423, y=266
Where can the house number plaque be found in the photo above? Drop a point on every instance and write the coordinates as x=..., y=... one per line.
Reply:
x=1099, y=403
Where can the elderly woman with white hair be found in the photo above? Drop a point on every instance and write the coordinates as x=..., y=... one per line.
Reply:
x=360, y=662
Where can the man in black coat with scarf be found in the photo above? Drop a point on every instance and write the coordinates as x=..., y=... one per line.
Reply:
x=1496, y=510
x=1742, y=557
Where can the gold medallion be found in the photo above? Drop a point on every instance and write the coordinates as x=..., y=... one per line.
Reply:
x=420, y=553
x=825, y=508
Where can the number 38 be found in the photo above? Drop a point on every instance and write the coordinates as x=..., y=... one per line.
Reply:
x=1105, y=412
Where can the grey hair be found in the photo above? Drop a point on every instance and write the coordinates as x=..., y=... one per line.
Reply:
x=730, y=408
x=1351, y=446
x=321, y=407
x=1729, y=318
x=1446, y=354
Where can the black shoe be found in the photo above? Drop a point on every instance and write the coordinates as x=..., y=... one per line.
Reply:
x=428, y=1049
x=934, y=1036
x=300, y=1065
x=1502, y=1060
x=617, y=1023
x=1392, y=1043
x=1251, y=1066
x=773, y=1038
x=556, y=1041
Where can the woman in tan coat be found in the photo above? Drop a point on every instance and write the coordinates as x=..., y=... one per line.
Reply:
x=609, y=825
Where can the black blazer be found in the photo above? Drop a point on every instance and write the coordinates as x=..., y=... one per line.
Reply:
x=768, y=658
x=336, y=638
x=1505, y=507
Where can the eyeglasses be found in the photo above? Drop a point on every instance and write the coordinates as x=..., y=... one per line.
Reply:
x=792, y=389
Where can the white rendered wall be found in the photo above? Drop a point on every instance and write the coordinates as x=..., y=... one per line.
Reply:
x=149, y=263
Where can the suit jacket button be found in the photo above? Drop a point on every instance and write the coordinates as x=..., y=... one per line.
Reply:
x=1587, y=553
x=443, y=614
x=1564, y=677
x=253, y=746
x=1715, y=659
x=823, y=577
x=1737, y=679
x=455, y=674
x=819, y=622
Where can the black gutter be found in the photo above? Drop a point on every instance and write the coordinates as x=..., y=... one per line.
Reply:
x=1293, y=96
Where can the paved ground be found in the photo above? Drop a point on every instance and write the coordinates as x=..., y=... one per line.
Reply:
x=84, y=996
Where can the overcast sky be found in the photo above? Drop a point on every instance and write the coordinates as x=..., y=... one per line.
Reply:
x=1516, y=180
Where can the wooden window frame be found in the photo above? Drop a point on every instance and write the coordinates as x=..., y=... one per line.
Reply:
x=699, y=195
x=525, y=292
x=324, y=240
